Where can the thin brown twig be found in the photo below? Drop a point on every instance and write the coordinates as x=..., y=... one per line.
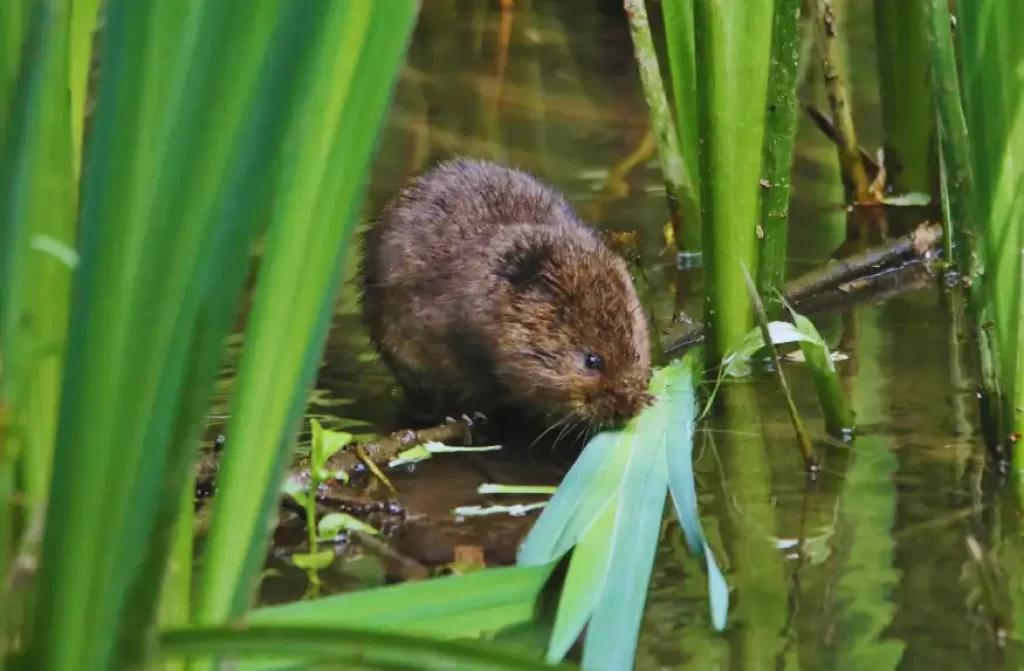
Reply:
x=855, y=178
x=915, y=246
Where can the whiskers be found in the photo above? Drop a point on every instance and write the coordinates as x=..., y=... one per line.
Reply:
x=568, y=426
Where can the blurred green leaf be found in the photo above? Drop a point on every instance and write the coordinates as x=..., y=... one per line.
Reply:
x=354, y=648
x=314, y=211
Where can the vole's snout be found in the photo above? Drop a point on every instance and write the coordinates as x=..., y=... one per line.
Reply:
x=616, y=406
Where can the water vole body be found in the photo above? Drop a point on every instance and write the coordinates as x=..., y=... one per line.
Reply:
x=483, y=291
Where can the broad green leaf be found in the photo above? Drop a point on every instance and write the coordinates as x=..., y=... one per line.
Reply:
x=584, y=492
x=584, y=583
x=615, y=627
x=448, y=607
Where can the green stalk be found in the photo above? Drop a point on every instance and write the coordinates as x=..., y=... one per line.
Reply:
x=780, y=129
x=802, y=438
x=683, y=204
x=993, y=94
x=14, y=25
x=963, y=220
x=314, y=212
x=993, y=112
x=679, y=38
x=733, y=49
x=176, y=590
x=901, y=35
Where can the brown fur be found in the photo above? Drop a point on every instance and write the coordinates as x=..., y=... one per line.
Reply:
x=483, y=291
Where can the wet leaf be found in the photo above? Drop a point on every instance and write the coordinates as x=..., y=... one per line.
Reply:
x=432, y=447
x=515, y=489
x=515, y=510
x=316, y=561
x=839, y=419
x=331, y=524
x=298, y=491
x=737, y=364
x=908, y=200
x=326, y=443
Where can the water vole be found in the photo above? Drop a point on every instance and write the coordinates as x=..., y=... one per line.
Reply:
x=483, y=291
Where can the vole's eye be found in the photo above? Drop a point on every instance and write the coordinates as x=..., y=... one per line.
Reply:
x=592, y=361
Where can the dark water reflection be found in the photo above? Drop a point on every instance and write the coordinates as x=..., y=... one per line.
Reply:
x=882, y=578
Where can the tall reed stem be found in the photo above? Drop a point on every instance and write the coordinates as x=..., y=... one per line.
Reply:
x=780, y=129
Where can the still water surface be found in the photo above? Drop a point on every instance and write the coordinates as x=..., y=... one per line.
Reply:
x=882, y=579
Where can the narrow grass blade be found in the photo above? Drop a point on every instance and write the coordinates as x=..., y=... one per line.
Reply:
x=679, y=183
x=332, y=140
x=680, y=427
x=839, y=421
x=344, y=648
x=780, y=130
x=585, y=582
x=615, y=627
x=37, y=202
x=583, y=493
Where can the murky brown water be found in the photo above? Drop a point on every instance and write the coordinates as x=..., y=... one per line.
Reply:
x=884, y=580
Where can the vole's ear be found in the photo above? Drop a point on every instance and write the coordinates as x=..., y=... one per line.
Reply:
x=523, y=265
